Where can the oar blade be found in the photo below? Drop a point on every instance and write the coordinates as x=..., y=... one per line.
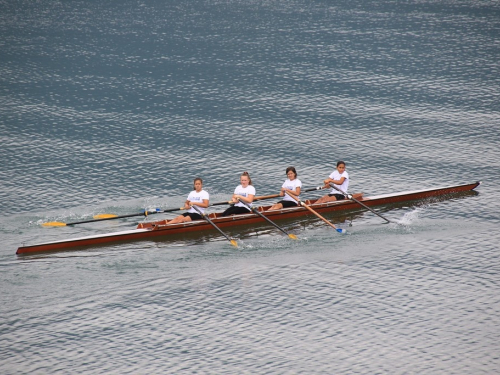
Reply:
x=54, y=224
x=293, y=236
x=234, y=243
x=105, y=216
x=341, y=231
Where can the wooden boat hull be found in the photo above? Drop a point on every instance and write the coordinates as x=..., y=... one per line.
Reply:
x=160, y=228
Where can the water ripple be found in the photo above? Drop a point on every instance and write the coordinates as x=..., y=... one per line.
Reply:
x=113, y=108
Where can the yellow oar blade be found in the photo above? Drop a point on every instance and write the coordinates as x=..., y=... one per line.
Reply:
x=104, y=216
x=234, y=243
x=54, y=224
x=293, y=236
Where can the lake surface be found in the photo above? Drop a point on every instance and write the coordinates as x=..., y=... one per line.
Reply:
x=114, y=107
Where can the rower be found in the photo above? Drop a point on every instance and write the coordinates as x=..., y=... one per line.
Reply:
x=198, y=197
x=340, y=178
x=291, y=185
x=245, y=192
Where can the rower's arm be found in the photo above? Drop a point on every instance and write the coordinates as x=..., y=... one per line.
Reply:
x=203, y=204
x=336, y=182
x=248, y=199
x=296, y=191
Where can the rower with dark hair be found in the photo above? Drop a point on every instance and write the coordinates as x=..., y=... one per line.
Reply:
x=198, y=197
x=340, y=178
x=292, y=185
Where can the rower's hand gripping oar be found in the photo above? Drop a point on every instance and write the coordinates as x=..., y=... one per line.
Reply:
x=256, y=211
x=362, y=204
x=297, y=199
x=204, y=216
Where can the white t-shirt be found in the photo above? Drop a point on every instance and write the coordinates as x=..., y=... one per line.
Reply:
x=194, y=196
x=291, y=185
x=244, y=192
x=337, y=176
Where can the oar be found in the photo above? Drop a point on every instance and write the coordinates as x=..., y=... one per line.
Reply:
x=109, y=217
x=254, y=210
x=233, y=242
x=314, y=212
x=362, y=204
x=113, y=216
x=277, y=195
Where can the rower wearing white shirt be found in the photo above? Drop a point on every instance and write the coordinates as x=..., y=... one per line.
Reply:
x=245, y=192
x=292, y=185
x=340, y=178
x=199, y=198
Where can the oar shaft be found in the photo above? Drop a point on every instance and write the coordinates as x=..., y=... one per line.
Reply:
x=260, y=198
x=204, y=216
x=360, y=203
x=312, y=211
x=314, y=188
x=145, y=213
x=256, y=211
x=317, y=214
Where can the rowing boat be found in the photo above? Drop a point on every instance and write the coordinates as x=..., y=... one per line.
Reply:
x=157, y=229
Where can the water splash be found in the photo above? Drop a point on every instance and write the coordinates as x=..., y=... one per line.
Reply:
x=410, y=217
